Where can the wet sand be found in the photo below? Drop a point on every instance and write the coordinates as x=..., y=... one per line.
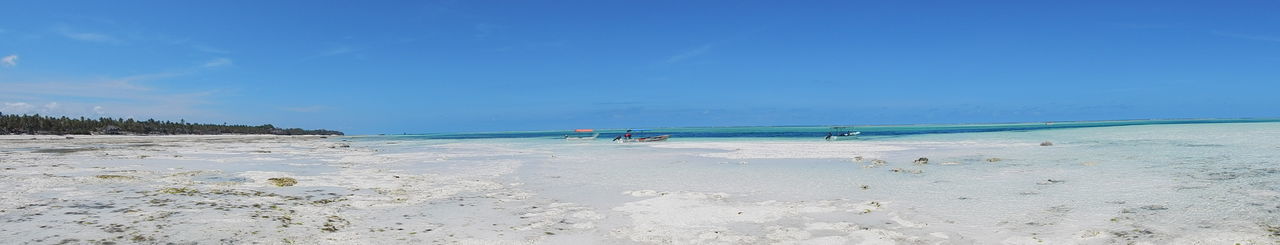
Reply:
x=1146, y=184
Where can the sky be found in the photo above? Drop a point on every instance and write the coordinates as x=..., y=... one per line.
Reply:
x=460, y=66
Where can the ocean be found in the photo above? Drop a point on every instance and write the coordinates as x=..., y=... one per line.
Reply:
x=868, y=131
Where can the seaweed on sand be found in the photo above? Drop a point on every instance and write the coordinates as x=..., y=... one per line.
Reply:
x=114, y=177
x=283, y=181
x=66, y=150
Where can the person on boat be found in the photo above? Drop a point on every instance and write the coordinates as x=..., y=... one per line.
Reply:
x=628, y=134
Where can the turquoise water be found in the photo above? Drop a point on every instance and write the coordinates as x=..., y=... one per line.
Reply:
x=868, y=131
x=1211, y=181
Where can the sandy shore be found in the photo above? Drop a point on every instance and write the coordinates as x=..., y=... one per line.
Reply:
x=976, y=189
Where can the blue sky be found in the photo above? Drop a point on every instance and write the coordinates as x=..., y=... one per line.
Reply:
x=447, y=66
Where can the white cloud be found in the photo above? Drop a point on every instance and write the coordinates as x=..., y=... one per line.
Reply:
x=217, y=62
x=16, y=108
x=87, y=36
x=70, y=109
x=690, y=54
x=103, y=96
x=338, y=50
x=9, y=61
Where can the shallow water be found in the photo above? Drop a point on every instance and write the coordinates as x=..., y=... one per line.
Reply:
x=1212, y=183
x=1155, y=183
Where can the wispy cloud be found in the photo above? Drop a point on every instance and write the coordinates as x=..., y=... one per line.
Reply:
x=219, y=62
x=1247, y=36
x=209, y=49
x=109, y=96
x=9, y=61
x=16, y=107
x=87, y=36
x=695, y=52
x=314, y=108
x=484, y=30
x=335, y=51
x=1131, y=25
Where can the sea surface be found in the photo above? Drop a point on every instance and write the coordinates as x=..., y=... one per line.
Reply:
x=868, y=131
x=1204, y=181
x=1117, y=182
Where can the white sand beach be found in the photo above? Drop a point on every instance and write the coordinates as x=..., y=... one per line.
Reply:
x=1153, y=184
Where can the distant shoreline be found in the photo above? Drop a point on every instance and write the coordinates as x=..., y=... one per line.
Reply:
x=1188, y=120
x=35, y=124
x=102, y=136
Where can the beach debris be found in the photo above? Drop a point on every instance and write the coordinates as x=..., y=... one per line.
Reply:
x=1051, y=181
x=1046, y=143
x=910, y=171
x=865, y=187
x=66, y=150
x=179, y=191
x=334, y=223
x=876, y=163
x=950, y=163
x=1133, y=235
x=857, y=159
x=1154, y=207
x=1060, y=209
x=1273, y=230
x=994, y=159
x=742, y=162
x=114, y=177
x=1090, y=164
x=921, y=161
x=283, y=181
x=71, y=138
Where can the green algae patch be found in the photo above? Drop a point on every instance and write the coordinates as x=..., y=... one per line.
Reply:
x=115, y=177
x=283, y=181
x=179, y=191
x=334, y=224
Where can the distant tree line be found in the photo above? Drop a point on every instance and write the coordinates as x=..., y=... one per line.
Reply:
x=36, y=124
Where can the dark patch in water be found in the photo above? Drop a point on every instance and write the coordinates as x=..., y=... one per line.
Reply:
x=1199, y=145
x=868, y=131
x=66, y=150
